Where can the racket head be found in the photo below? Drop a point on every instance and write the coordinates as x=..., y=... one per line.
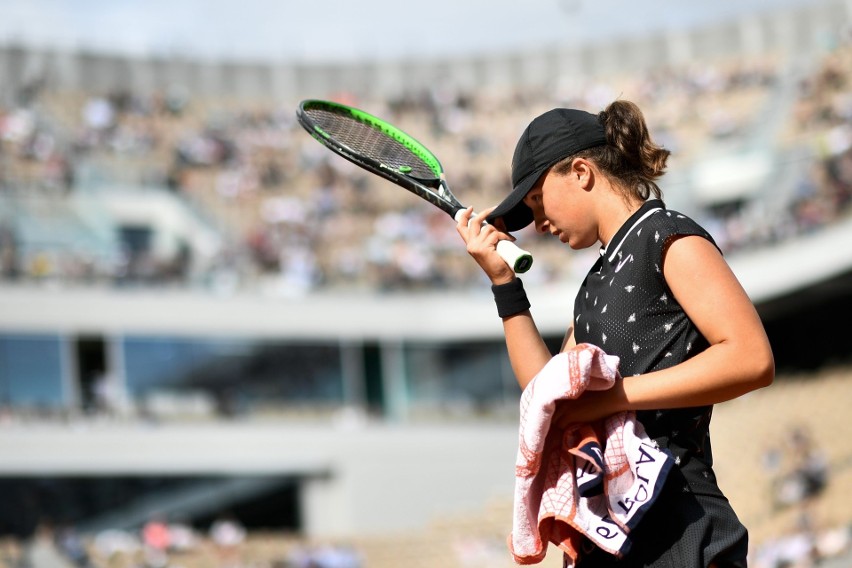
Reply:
x=379, y=147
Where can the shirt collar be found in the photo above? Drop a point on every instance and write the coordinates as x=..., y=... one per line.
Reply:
x=648, y=208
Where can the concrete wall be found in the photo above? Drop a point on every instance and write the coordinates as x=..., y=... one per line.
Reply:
x=356, y=478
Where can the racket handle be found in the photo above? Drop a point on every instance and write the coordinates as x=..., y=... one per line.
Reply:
x=517, y=258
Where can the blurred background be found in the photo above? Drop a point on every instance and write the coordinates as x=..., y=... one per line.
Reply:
x=221, y=345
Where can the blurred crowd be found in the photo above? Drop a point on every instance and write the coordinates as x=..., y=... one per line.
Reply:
x=294, y=216
x=160, y=543
x=797, y=471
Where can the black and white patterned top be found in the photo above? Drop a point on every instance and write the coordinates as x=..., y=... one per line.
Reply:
x=625, y=307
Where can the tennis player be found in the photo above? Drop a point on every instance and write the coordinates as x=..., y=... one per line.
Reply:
x=660, y=296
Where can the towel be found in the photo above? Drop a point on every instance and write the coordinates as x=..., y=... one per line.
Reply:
x=589, y=482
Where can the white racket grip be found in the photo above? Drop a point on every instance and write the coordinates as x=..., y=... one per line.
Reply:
x=517, y=258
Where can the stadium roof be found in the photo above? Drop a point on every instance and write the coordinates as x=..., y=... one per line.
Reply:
x=339, y=30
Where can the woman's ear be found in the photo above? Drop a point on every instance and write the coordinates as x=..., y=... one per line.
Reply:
x=582, y=169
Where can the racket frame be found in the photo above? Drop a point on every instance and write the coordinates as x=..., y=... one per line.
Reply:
x=435, y=191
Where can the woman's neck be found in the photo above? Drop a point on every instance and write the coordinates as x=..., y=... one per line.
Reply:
x=616, y=211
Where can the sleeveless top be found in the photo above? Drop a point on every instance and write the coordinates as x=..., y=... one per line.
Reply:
x=625, y=307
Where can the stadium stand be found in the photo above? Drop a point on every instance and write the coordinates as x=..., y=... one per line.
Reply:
x=249, y=171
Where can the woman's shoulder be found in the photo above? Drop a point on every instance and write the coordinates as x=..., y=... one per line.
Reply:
x=668, y=223
x=661, y=229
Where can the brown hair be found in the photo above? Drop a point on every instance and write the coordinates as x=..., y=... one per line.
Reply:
x=630, y=158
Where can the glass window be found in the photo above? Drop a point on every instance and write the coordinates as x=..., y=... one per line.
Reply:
x=255, y=372
x=463, y=377
x=31, y=370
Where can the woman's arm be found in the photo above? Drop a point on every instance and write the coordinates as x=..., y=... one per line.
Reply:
x=527, y=350
x=738, y=360
x=569, y=341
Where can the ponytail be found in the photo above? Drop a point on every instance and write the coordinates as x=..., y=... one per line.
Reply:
x=630, y=158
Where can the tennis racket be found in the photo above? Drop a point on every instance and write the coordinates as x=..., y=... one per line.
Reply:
x=387, y=151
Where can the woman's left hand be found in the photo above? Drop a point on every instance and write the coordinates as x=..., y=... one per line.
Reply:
x=591, y=406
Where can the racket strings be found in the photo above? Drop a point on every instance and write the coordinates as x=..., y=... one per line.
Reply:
x=371, y=142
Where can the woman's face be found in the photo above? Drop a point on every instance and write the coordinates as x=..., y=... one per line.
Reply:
x=560, y=207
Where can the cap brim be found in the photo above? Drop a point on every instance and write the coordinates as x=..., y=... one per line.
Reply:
x=512, y=210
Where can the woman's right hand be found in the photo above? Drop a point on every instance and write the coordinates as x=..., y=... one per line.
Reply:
x=481, y=239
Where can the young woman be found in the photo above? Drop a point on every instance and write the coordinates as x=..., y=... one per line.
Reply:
x=661, y=297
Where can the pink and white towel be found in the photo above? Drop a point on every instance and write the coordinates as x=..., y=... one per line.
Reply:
x=589, y=481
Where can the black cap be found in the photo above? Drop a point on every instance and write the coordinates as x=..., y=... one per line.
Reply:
x=549, y=138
